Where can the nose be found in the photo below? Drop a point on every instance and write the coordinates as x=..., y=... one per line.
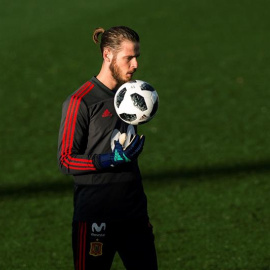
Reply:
x=134, y=63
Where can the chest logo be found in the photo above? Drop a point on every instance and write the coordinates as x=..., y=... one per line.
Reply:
x=106, y=113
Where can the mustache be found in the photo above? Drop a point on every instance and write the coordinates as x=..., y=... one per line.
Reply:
x=133, y=71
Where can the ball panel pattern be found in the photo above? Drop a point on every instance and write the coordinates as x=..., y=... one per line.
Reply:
x=147, y=86
x=128, y=117
x=138, y=102
x=120, y=96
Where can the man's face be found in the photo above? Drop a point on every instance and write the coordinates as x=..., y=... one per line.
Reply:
x=124, y=63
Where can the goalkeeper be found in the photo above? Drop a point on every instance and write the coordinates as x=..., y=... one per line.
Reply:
x=100, y=151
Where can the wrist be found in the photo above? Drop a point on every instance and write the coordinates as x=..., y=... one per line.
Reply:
x=103, y=161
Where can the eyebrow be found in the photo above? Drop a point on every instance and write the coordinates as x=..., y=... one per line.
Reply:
x=131, y=56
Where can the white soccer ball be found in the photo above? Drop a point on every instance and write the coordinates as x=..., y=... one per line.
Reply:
x=136, y=102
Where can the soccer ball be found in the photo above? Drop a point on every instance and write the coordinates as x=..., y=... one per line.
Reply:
x=136, y=102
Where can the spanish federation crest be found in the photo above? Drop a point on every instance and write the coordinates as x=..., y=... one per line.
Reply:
x=95, y=248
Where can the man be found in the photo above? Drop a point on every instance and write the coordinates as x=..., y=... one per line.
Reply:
x=110, y=206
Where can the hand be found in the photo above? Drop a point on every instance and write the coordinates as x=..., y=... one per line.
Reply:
x=122, y=155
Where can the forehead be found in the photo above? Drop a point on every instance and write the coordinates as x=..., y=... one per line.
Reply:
x=129, y=48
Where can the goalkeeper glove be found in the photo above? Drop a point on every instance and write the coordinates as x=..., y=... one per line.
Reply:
x=122, y=155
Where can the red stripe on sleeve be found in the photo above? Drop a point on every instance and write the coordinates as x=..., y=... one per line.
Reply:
x=68, y=116
x=69, y=130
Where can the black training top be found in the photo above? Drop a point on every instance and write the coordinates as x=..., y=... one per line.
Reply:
x=89, y=126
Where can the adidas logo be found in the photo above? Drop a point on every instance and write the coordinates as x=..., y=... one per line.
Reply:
x=106, y=113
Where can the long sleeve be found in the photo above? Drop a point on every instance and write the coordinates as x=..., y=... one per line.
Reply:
x=73, y=132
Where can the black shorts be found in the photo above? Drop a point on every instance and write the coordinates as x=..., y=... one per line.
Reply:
x=95, y=245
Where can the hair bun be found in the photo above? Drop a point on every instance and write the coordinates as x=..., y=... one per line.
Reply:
x=96, y=34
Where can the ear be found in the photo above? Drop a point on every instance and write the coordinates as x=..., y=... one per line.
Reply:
x=107, y=55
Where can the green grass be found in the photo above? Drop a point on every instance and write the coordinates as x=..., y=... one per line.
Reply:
x=206, y=162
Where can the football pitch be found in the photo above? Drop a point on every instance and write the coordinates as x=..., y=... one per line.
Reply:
x=206, y=160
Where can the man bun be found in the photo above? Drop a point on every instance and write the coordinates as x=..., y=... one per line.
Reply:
x=96, y=34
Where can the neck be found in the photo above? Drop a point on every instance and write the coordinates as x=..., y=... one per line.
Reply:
x=105, y=76
x=107, y=80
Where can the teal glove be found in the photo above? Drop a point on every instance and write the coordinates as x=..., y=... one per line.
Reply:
x=122, y=155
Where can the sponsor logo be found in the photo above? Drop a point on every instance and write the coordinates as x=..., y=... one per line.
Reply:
x=98, y=230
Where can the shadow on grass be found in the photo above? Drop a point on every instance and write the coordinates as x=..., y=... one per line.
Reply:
x=60, y=185
x=212, y=171
x=65, y=185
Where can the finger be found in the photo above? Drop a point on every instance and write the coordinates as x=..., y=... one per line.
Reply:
x=140, y=145
x=142, y=139
x=122, y=138
x=134, y=141
x=117, y=145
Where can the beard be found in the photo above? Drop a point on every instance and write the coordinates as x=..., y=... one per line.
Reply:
x=116, y=73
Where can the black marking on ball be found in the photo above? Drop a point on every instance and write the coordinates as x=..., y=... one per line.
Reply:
x=138, y=102
x=128, y=117
x=148, y=87
x=120, y=97
x=155, y=108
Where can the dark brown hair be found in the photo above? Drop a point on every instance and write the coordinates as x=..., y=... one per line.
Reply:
x=113, y=37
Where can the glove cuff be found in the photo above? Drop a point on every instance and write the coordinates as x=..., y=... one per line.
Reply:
x=103, y=161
